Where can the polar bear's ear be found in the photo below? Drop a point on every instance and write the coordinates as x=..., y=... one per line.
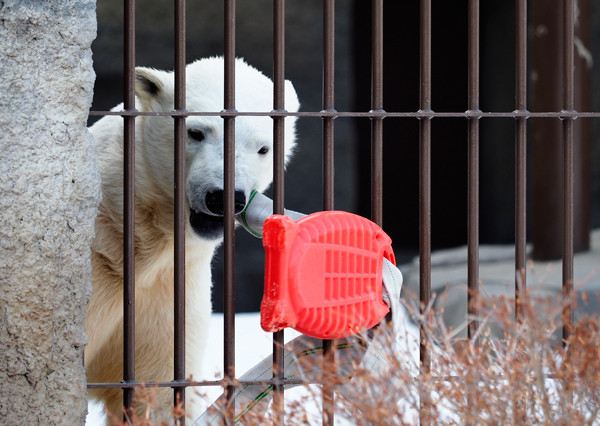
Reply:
x=149, y=84
x=292, y=103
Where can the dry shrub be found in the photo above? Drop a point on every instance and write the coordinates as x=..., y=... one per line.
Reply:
x=512, y=372
x=147, y=410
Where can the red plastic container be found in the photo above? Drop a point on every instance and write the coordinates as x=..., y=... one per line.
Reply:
x=323, y=274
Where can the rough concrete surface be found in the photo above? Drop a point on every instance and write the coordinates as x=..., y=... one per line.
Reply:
x=49, y=191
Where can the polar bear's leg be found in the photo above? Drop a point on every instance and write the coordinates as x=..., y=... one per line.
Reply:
x=198, y=311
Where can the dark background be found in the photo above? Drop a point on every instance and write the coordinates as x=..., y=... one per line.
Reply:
x=154, y=47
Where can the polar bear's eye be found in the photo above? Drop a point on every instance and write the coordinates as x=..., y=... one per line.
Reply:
x=263, y=150
x=196, y=135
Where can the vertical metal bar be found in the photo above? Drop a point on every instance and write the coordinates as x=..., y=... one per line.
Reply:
x=129, y=209
x=519, y=407
x=229, y=218
x=519, y=412
x=179, y=194
x=520, y=155
x=425, y=195
x=278, y=180
x=473, y=189
x=278, y=103
x=328, y=167
x=328, y=102
x=377, y=106
x=567, y=128
x=473, y=165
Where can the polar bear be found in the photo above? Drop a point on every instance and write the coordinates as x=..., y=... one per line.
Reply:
x=154, y=177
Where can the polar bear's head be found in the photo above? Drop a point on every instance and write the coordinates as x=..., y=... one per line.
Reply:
x=205, y=136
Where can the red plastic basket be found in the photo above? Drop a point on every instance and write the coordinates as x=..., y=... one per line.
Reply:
x=323, y=274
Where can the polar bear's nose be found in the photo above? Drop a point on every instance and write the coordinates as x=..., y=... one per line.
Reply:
x=215, y=202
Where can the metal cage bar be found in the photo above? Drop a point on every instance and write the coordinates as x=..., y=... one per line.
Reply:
x=473, y=166
x=278, y=181
x=361, y=114
x=519, y=413
x=129, y=208
x=179, y=200
x=328, y=164
x=425, y=195
x=425, y=172
x=377, y=106
x=228, y=207
x=520, y=155
x=328, y=102
x=568, y=131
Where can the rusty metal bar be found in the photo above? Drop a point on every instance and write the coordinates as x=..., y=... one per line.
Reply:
x=179, y=200
x=567, y=140
x=278, y=103
x=425, y=197
x=129, y=209
x=473, y=165
x=425, y=172
x=328, y=169
x=520, y=155
x=359, y=114
x=582, y=139
x=185, y=383
x=328, y=102
x=229, y=217
x=519, y=413
x=377, y=106
x=278, y=181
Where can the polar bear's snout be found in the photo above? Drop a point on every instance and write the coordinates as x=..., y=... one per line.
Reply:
x=215, y=202
x=206, y=215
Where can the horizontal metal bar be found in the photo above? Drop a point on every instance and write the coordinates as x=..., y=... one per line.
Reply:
x=135, y=384
x=187, y=383
x=360, y=114
x=239, y=383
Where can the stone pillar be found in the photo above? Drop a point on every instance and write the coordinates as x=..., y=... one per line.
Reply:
x=49, y=192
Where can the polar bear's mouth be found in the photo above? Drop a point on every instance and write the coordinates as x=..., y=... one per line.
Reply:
x=207, y=219
x=205, y=225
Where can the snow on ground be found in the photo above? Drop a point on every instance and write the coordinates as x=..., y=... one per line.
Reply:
x=252, y=346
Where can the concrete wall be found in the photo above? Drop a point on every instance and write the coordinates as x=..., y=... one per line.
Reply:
x=49, y=191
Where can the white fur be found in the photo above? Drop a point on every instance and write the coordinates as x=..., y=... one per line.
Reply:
x=154, y=178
